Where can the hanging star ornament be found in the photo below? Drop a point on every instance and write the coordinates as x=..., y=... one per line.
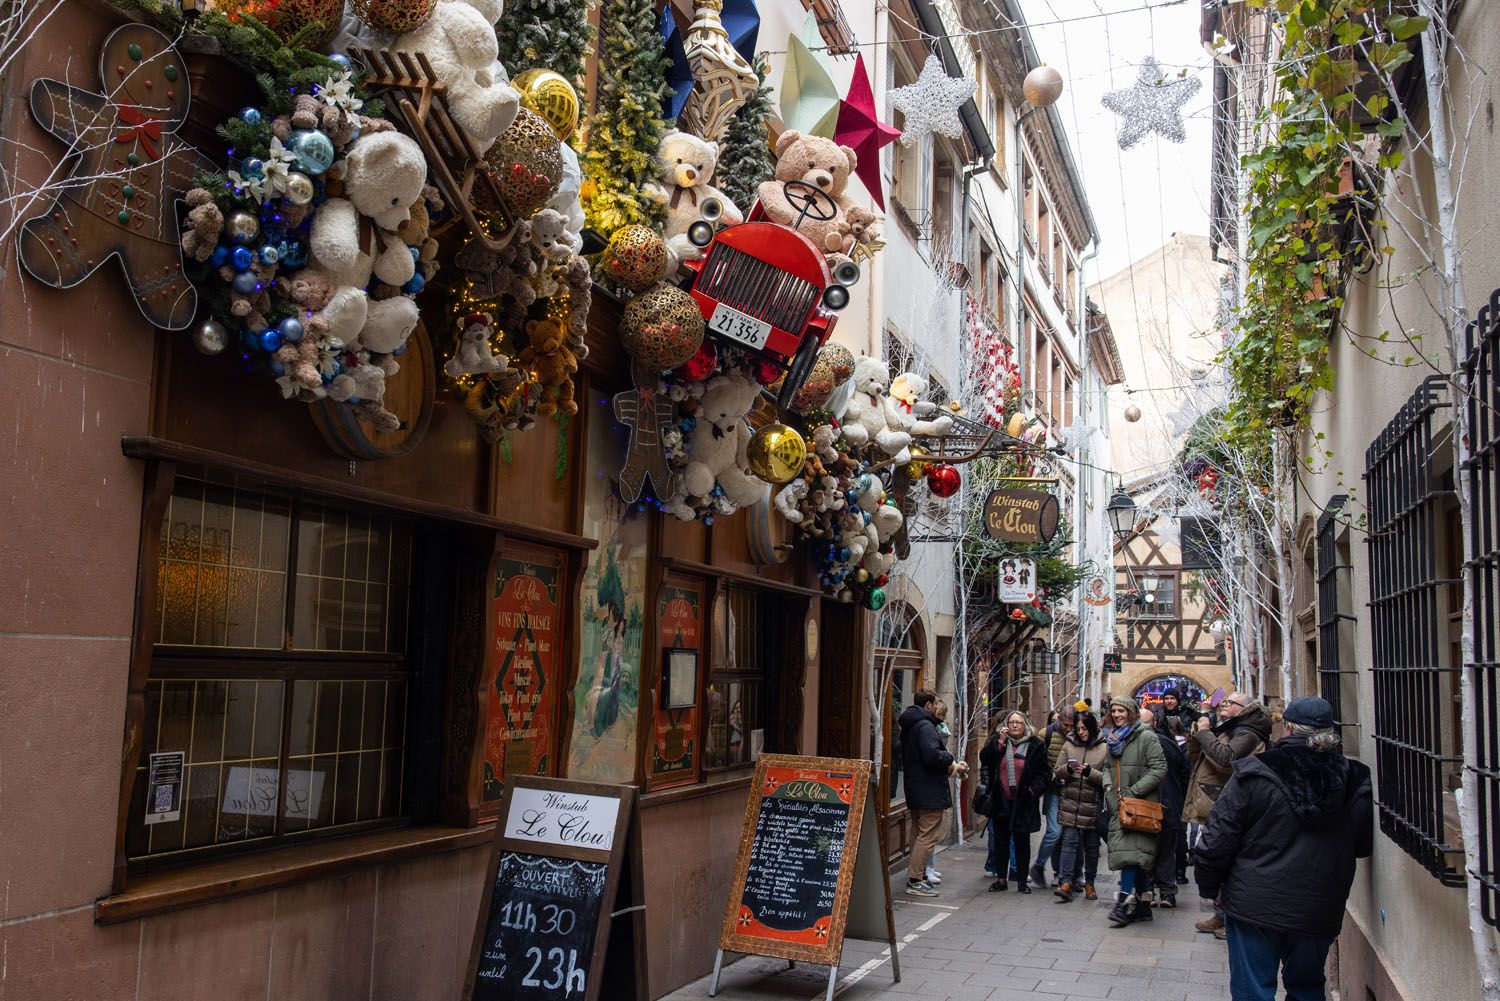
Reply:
x=809, y=98
x=1154, y=104
x=931, y=104
x=859, y=129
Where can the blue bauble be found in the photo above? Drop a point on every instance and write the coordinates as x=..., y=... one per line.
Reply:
x=269, y=254
x=291, y=330
x=708, y=519
x=354, y=401
x=250, y=115
x=399, y=351
x=293, y=253
x=416, y=254
x=242, y=258
x=269, y=340
x=863, y=482
x=415, y=285
x=245, y=283
x=313, y=149
x=844, y=555
x=851, y=497
x=688, y=423
x=341, y=61
x=220, y=256
x=252, y=166
x=277, y=369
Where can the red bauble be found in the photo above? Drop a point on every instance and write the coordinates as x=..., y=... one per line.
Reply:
x=766, y=372
x=943, y=479
x=701, y=365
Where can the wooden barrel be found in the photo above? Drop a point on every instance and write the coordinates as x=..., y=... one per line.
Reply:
x=769, y=534
x=408, y=394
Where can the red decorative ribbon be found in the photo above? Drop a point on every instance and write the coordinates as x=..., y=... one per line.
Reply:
x=142, y=127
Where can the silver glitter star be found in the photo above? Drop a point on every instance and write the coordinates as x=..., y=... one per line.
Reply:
x=1154, y=104
x=931, y=104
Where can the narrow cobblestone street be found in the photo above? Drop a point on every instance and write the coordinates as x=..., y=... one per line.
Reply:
x=972, y=945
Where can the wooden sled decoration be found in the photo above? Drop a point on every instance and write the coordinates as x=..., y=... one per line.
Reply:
x=414, y=93
x=968, y=440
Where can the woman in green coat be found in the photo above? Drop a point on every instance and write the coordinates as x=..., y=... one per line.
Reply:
x=1135, y=769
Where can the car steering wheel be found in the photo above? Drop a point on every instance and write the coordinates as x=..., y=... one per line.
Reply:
x=810, y=201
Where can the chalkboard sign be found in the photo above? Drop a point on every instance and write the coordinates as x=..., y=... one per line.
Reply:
x=559, y=876
x=790, y=892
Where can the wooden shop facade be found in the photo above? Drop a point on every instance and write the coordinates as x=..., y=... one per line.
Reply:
x=339, y=659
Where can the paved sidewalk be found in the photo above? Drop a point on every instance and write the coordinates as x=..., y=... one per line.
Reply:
x=972, y=945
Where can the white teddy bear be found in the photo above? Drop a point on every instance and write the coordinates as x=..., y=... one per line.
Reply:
x=459, y=41
x=685, y=167
x=872, y=416
x=789, y=499
x=551, y=237
x=384, y=173
x=474, y=355
x=907, y=390
x=718, y=443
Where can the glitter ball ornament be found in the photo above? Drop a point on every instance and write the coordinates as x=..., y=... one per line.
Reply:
x=636, y=256
x=313, y=150
x=395, y=17
x=662, y=327
x=211, y=337
x=289, y=17
x=765, y=371
x=834, y=365
x=551, y=96
x=943, y=480
x=241, y=227
x=701, y=365
x=775, y=453
x=916, y=468
x=527, y=166
x=1154, y=104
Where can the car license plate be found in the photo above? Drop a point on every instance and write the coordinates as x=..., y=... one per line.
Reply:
x=739, y=326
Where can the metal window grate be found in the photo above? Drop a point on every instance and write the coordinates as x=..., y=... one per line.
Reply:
x=1333, y=589
x=1482, y=377
x=1407, y=622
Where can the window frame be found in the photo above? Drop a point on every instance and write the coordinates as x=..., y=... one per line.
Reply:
x=1335, y=593
x=719, y=673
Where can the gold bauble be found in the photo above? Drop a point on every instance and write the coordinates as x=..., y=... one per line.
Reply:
x=636, y=257
x=1017, y=424
x=288, y=17
x=776, y=453
x=551, y=96
x=917, y=467
x=834, y=365
x=662, y=327
x=394, y=17
x=527, y=165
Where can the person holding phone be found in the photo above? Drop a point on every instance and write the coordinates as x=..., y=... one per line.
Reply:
x=1080, y=806
x=1014, y=760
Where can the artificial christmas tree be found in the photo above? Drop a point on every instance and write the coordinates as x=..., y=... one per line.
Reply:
x=746, y=158
x=627, y=126
x=551, y=33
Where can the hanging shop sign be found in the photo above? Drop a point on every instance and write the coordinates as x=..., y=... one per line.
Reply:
x=1113, y=664
x=1017, y=581
x=1020, y=516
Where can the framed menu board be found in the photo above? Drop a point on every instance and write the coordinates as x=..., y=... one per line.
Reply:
x=803, y=842
x=562, y=876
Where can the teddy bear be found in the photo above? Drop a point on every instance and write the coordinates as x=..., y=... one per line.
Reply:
x=384, y=176
x=252, y=306
x=201, y=228
x=825, y=165
x=790, y=498
x=924, y=418
x=685, y=167
x=299, y=361
x=474, y=355
x=501, y=402
x=872, y=416
x=416, y=231
x=550, y=236
x=459, y=42
x=549, y=357
x=580, y=282
x=718, y=443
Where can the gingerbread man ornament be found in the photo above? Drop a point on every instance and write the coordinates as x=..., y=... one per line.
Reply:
x=128, y=168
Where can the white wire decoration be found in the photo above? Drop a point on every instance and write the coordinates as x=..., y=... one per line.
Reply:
x=931, y=104
x=1154, y=104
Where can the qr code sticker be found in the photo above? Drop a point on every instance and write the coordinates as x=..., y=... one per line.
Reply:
x=164, y=798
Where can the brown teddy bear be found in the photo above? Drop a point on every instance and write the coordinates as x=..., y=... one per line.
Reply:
x=253, y=307
x=580, y=294
x=553, y=362
x=201, y=228
x=301, y=363
x=825, y=165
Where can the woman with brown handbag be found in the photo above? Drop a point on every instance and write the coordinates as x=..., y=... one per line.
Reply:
x=1135, y=769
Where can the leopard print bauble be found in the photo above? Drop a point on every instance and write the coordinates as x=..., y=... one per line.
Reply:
x=636, y=256
x=527, y=165
x=662, y=327
x=287, y=17
x=395, y=17
x=835, y=364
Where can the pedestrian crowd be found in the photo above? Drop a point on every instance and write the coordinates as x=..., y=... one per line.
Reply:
x=1271, y=828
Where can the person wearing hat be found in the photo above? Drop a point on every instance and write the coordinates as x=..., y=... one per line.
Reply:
x=1134, y=768
x=1278, y=852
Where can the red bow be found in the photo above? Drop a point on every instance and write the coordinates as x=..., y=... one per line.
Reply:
x=143, y=128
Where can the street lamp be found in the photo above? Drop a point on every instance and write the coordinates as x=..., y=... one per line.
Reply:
x=1041, y=89
x=1121, y=510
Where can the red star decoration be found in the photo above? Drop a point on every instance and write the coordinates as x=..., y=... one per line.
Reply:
x=859, y=129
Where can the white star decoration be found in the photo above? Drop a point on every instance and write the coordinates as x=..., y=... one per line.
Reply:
x=1154, y=104
x=931, y=104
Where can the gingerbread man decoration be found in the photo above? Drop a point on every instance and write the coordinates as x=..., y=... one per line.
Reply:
x=128, y=168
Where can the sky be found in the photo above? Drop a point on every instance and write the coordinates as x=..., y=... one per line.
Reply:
x=1142, y=196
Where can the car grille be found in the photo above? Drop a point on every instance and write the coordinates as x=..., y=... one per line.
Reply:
x=752, y=286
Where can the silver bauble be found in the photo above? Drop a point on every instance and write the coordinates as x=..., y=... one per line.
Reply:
x=211, y=337
x=241, y=227
x=299, y=188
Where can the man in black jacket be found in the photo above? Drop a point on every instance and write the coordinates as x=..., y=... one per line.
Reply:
x=926, y=765
x=1278, y=851
x=1173, y=790
x=1173, y=704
